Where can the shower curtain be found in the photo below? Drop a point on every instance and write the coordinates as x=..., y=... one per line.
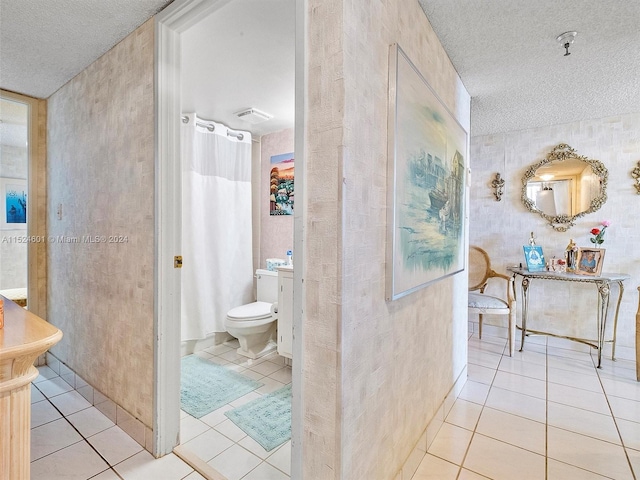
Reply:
x=217, y=272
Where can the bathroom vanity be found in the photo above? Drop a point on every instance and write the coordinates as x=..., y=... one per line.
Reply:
x=23, y=338
x=285, y=311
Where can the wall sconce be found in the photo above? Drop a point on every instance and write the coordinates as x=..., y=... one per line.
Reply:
x=498, y=185
x=635, y=173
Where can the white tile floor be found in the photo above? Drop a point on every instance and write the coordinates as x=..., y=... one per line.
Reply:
x=72, y=440
x=219, y=442
x=545, y=414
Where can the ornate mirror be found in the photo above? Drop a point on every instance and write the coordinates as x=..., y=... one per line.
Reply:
x=564, y=186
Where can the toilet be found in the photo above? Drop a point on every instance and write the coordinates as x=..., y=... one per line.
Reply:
x=254, y=324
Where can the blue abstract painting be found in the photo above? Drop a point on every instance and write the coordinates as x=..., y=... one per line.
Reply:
x=15, y=204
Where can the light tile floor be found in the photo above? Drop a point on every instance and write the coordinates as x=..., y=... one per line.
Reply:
x=544, y=414
x=72, y=440
x=219, y=442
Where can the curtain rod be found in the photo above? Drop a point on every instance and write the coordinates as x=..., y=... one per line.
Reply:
x=211, y=127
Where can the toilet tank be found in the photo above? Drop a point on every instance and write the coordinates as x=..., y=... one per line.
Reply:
x=267, y=286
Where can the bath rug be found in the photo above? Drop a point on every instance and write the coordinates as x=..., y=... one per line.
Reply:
x=266, y=419
x=205, y=386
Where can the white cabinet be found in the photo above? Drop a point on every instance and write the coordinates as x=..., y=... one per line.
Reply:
x=285, y=311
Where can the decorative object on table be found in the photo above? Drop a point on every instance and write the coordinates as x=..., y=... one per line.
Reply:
x=557, y=174
x=498, y=185
x=534, y=258
x=532, y=239
x=590, y=261
x=635, y=173
x=427, y=164
x=598, y=233
x=571, y=255
x=557, y=265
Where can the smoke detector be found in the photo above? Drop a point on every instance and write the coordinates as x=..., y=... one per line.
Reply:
x=253, y=116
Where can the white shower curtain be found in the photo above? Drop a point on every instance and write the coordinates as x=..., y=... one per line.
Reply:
x=217, y=272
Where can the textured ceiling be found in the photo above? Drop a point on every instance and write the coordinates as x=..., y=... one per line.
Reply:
x=242, y=56
x=504, y=50
x=45, y=43
x=507, y=55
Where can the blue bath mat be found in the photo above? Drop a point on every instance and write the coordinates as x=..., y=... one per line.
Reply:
x=205, y=386
x=266, y=419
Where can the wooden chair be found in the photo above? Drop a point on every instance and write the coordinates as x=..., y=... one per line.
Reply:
x=638, y=340
x=480, y=272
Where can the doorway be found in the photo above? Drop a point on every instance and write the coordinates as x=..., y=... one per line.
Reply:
x=22, y=204
x=171, y=24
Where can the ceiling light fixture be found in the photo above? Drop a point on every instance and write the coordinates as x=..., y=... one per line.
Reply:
x=566, y=39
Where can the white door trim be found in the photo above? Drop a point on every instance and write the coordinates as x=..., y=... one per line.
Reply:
x=170, y=23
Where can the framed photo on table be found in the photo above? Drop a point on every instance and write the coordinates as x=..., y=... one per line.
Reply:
x=590, y=261
x=534, y=257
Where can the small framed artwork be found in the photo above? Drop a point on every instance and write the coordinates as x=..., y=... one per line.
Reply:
x=13, y=204
x=534, y=258
x=590, y=261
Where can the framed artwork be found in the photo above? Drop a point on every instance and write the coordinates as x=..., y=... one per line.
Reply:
x=13, y=206
x=534, y=257
x=426, y=183
x=590, y=261
x=281, y=192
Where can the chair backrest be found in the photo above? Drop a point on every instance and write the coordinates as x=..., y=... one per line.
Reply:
x=479, y=268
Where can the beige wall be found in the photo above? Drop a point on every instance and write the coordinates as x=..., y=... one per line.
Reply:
x=375, y=372
x=101, y=173
x=503, y=227
x=276, y=231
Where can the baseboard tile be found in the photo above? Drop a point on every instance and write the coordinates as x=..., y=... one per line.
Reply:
x=133, y=427
x=419, y=451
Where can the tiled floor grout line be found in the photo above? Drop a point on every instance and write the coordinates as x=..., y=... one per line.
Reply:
x=240, y=368
x=615, y=422
x=546, y=411
x=84, y=439
x=475, y=427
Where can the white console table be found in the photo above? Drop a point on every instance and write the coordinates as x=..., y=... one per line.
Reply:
x=603, y=284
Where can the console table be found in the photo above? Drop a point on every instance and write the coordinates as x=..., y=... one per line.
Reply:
x=603, y=284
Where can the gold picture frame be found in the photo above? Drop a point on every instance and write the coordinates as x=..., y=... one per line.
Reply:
x=590, y=261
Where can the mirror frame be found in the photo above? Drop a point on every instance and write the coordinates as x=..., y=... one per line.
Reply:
x=561, y=152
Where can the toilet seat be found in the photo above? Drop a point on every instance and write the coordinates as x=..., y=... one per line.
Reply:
x=250, y=312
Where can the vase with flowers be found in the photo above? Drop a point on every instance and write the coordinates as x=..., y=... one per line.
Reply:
x=598, y=233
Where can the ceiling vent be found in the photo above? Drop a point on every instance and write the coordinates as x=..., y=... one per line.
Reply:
x=253, y=116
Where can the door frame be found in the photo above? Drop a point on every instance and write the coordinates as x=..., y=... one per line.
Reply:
x=36, y=201
x=170, y=24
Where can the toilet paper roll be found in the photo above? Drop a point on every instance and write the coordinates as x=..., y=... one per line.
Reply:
x=274, y=309
x=274, y=263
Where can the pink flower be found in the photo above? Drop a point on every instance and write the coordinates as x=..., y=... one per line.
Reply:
x=606, y=223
